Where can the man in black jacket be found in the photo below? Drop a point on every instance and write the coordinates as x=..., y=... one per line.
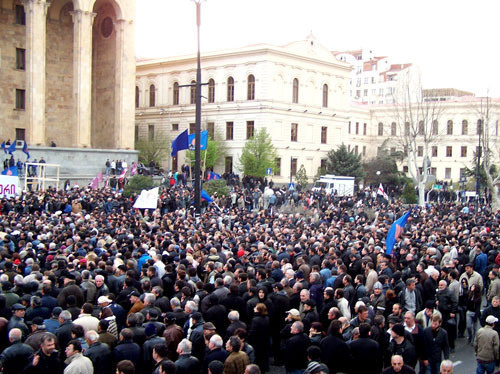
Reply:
x=366, y=352
x=447, y=304
x=296, y=348
x=46, y=359
x=436, y=343
x=186, y=364
x=334, y=350
x=98, y=353
x=16, y=357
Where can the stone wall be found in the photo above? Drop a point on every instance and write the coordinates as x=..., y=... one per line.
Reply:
x=59, y=83
x=13, y=36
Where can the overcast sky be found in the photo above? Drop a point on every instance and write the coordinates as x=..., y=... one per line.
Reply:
x=454, y=42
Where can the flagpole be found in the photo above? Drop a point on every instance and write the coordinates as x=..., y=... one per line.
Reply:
x=197, y=179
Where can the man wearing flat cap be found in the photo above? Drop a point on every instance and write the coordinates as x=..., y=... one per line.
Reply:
x=136, y=302
x=17, y=320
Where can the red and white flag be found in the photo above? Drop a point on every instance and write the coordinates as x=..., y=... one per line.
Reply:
x=99, y=177
x=382, y=192
x=123, y=174
x=133, y=169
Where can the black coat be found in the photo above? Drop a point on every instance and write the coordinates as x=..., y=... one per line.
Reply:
x=419, y=304
x=63, y=334
x=187, y=364
x=128, y=350
x=258, y=338
x=236, y=302
x=217, y=314
x=16, y=357
x=46, y=364
x=406, y=349
x=436, y=345
x=366, y=356
x=100, y=355
x=296, y=352
x=335, y=354
x=281, y=304
x=218, y=354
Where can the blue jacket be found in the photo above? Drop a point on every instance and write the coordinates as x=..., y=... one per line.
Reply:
x=481, y=263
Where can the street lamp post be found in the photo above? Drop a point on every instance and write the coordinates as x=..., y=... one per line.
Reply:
x=197, y=154
x=480, y=129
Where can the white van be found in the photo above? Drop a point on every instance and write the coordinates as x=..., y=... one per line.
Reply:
x=343, y=186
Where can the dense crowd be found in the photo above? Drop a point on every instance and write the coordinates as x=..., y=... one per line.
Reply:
x=264, y=276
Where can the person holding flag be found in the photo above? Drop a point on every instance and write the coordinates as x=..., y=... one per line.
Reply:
x=381, y=192
x=25, y=149
x=395, y=232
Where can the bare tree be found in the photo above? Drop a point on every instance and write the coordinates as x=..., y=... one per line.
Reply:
x=417, y=119
x=488, y=136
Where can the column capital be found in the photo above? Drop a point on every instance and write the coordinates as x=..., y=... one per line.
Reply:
x=77, y=15
x=31, y=3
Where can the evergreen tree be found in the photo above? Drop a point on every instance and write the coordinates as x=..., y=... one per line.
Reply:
x=301, y=177
x=344, y=162
x=258, y=155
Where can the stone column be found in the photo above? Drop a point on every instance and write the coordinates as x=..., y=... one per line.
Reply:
x=82, y=76
x=125, y=83
x=36, y=22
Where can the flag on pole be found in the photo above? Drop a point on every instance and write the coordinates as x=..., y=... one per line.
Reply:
x=12, y=171
x=205, y=196
x=25, y=149
x=382, y=192
x=94, y=183
x=211, y=175
x=395, y=232
x=180, y=143
x=12, y=147
x=203, y=140
x=99, y=177
x=147, y=199
x=3, y=147
x=106, y=183
x=123, y=174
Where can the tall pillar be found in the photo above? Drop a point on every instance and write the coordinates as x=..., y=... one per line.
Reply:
x=125, y=79
x=82, y=76
x=36, y=22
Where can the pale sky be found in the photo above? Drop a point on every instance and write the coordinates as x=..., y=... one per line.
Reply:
x=454, y=42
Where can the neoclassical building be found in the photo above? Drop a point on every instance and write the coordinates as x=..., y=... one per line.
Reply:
x=68, y=71
x=298, y=92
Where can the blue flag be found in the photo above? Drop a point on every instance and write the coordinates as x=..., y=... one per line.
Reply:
x=3, y=147
x=25, y=149
x=203, y=140
x=205, y=196
x=180, y=143
x=12, y=171
x=395, y=232
x=212, y=175
x=12, y=147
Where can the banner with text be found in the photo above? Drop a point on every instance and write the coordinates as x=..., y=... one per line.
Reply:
x=9, y=186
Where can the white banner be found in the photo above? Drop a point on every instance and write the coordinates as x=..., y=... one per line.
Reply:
x=9, y=186
x=147, y=199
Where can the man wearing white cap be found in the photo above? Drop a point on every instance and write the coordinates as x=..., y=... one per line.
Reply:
x=486, y=346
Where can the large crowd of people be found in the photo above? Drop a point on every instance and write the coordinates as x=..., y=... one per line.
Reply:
x=263, y=277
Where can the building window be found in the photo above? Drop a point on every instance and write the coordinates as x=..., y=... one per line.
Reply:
x=449, y=151
x=152, y=94
x=228, y=164
x=348, y=148
x=462, y=173
x=229, y=130
x=325, y=96
x=20, y=99
x=295, y=95
x=393, y=129
x=433, y=171
x=175, y=127
x=434, y=151
x=357, y=128
x=20, y=134
x=136, y=133
x=176, y=94
x=420, y=151
x=192, y=91
x=349, y=128
x=392, y=150
x=278, y=167
x=192, y=128
x=250, y=129
x=20, y=15
x=20, y=58
x=449, y=127
x=323, y=134
x=465, y=127
x=479, y=128
x=447, y=173
x=211, y=130
x=322, y=164
x=421, y=128
x=293, y=167
x=407, y=128
x=174, y=163
x=463, y=151
x=364, y=128
x=151, y=132
x=435, y=127
x=230, y=89
x=211, y=91
x=380, y=129
x=364, y=150
x=405, y=169
x=137, y=96
x=355, y=149
x=294, y=131
x=251, y=87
